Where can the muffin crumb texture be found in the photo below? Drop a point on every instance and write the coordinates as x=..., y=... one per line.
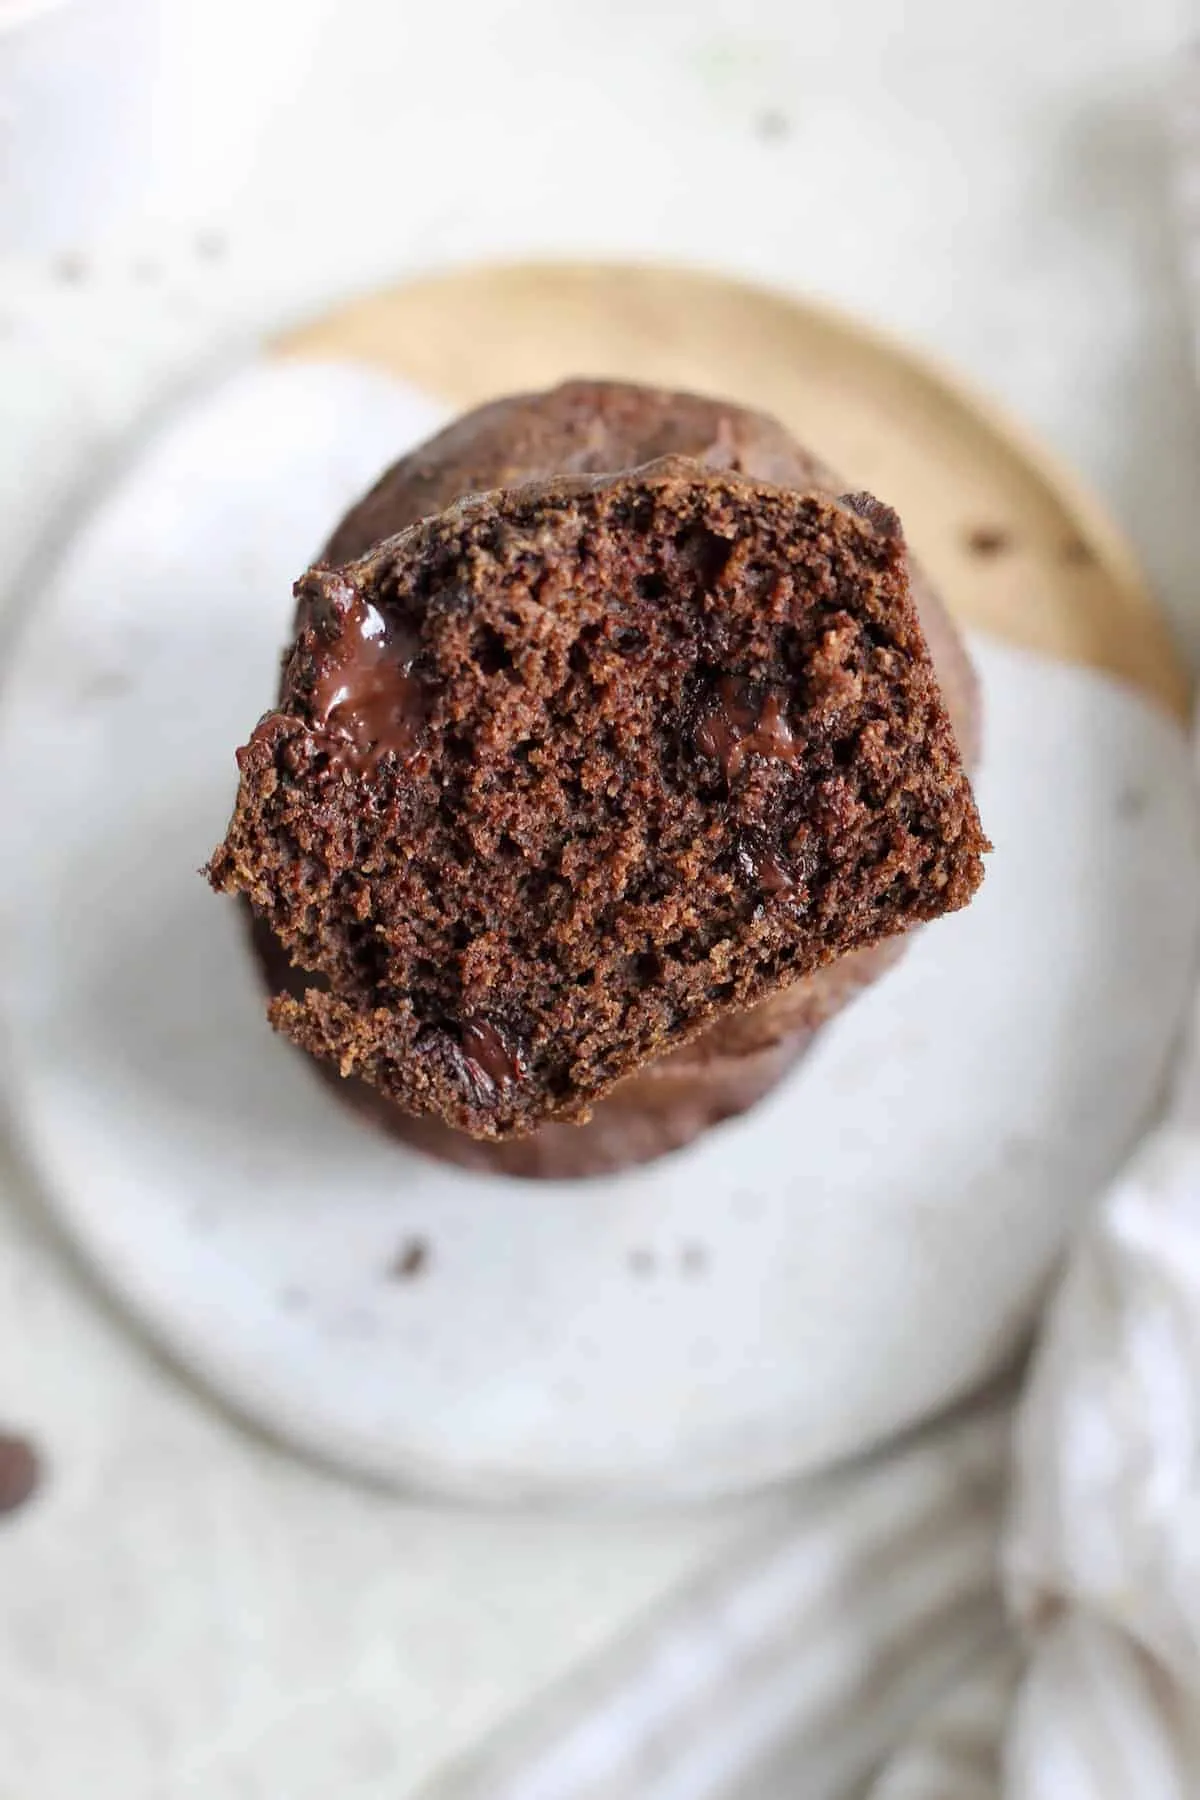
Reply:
x=565, y=772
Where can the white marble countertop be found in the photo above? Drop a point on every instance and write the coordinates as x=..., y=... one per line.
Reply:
x=190, y=1610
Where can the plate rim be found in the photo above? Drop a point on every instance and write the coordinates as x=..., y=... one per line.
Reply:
x=1160, y=670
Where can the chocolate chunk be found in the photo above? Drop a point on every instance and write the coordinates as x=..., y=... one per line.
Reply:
x=485, y=1060
x=364, y=694
x=741, y=719
x=493, y=1063
x=763, y=865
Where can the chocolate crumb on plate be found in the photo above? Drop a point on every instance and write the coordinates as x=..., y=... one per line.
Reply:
x=411, y=1260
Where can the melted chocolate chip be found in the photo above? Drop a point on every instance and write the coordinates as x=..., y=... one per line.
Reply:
x=744, y=718
x=20, y=1472
x=764, y=866
x=877, y=513
x=485, y=1058
x=490, y=1057
x=364, y=694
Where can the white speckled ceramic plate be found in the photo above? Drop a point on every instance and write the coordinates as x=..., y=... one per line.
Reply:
x=851, y=1256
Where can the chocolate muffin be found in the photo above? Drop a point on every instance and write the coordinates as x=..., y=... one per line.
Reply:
x=568, y=777
x=596, y=427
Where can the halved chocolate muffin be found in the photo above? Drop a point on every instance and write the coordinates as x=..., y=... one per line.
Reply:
x=618, y=775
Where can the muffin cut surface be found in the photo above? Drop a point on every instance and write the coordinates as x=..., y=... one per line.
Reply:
x=566, y=771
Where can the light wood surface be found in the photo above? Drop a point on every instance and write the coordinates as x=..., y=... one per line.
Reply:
x=1017, y=545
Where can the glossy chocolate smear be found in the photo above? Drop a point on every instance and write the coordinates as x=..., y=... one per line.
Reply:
x=364, y=694
x=744, y=718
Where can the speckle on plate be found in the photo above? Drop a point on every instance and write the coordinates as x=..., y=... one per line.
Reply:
x=773, y=126
x=1076, y=552
x=1132, y=803
x=693, y=1259
x=988, y=540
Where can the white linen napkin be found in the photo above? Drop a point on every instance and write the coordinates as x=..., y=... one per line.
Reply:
x=792, y=1667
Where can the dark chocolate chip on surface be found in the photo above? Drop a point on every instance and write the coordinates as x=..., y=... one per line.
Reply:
x=20, y=1472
